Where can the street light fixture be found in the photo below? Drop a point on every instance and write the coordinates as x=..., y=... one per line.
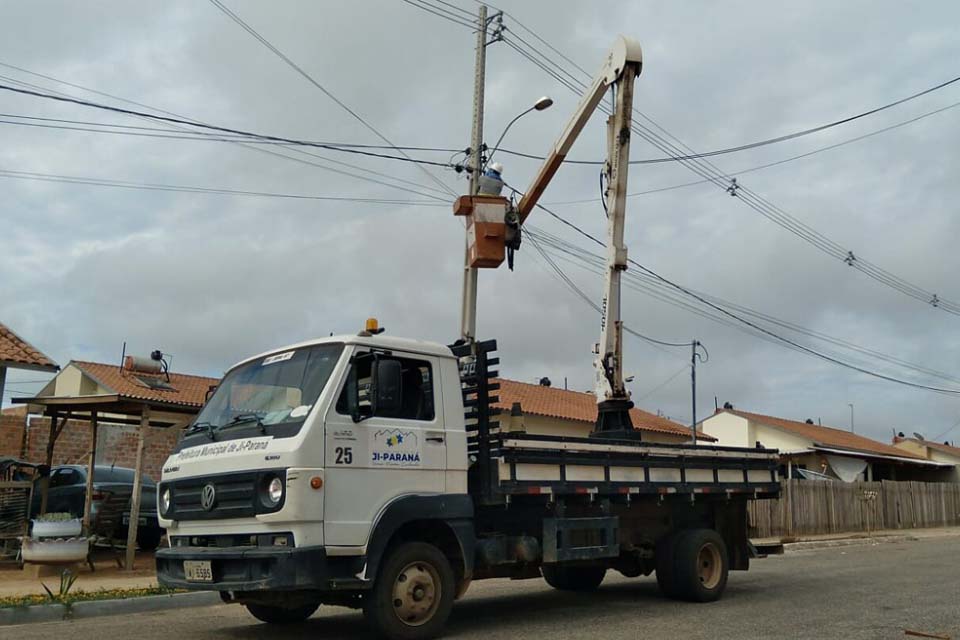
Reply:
x=544, y=102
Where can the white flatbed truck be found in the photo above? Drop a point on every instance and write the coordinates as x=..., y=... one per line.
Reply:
x=369, y=471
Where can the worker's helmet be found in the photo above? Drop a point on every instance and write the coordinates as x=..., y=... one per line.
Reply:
x=496, y=166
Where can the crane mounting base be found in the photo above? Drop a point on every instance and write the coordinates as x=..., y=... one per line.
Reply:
x=613, y=421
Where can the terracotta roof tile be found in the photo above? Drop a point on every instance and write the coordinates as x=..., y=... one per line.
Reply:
x=187, y=390
x=826, y=436
x=552, y=402
x=14, y=351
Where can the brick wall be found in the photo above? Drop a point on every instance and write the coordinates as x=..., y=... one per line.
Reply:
x=116, y=444
x=11, y=436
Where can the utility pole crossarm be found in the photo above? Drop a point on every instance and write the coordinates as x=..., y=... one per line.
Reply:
x=625, y=54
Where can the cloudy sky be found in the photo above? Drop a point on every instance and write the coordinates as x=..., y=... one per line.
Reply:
x=212, y=278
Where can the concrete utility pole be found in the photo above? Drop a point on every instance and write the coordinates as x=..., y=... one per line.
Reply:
x=693, y=390
x=695, y=346
x=850, y=404
x=468, y=314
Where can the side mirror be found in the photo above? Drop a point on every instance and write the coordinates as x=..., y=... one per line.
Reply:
x=209, y=393
x=385, y=387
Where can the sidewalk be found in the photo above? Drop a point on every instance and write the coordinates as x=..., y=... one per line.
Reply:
x=859, y=537
x=22, y=582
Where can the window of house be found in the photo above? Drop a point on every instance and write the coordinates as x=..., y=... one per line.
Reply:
x=416, y=389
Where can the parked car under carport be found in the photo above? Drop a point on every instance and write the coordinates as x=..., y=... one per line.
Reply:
x=67, y=492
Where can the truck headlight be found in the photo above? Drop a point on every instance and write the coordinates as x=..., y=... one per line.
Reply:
x=275, y=491
x=272, y=491
x=165, y=502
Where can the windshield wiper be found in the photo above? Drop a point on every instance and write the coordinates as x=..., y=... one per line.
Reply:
x=209, y=426
x=242, y=418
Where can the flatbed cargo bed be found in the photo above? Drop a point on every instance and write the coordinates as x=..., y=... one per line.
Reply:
x=540, y=464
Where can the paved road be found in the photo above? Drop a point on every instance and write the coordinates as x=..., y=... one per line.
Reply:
x=868, y=591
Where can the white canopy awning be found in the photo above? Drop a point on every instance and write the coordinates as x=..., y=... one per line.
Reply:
x=878, y=456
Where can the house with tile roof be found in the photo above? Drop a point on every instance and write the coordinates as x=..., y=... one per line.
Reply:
x=936, y=451
x=17, y=353
x=173, y=397
x=546, y=410
x=833, y=452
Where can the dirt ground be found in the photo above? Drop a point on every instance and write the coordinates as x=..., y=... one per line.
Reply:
x=108, y=575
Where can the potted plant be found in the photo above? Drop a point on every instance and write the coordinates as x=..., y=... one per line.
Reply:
x=55, y=539
x=56, y=525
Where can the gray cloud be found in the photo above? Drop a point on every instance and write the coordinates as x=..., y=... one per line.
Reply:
x=215, y=278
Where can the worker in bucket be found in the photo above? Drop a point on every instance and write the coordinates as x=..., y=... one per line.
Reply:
x=491, y=182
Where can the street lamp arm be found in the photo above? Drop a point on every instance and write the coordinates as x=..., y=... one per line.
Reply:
x=500, y=139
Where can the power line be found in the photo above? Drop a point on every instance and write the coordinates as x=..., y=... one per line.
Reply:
x=777, y=162
x=293, y=65
x=248, y=134
x=594, y=263
x=108, y=127
x=682, y=369
x=570, y=284
x=748, y=323
x=440, y=12
x=247, y=145
x=152, y=186
x=761, y=143
x=763, y=206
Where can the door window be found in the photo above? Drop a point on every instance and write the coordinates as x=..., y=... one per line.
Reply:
x=65, y=477
x=416, y=388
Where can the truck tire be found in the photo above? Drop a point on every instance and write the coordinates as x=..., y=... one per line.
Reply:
x=664, y=556
x=573, y=578
x=700, y=565
x=413, y=594
x=281, y=615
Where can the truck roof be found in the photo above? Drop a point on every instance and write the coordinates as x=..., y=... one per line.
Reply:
x=379, y=341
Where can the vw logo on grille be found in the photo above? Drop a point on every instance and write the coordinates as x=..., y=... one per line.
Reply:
x=208, y=497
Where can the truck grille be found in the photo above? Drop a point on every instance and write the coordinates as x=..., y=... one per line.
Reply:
x=235, y=496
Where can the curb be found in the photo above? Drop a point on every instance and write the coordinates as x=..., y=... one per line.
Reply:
x=96, y=608
x=844, y=542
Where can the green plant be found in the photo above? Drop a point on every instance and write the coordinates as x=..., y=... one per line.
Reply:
x=60, y=516
x=67, y=578
x=18, y=601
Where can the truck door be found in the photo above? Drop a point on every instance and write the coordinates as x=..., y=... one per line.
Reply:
x=372, y=461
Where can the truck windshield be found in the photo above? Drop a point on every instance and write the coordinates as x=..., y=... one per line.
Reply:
x=277, y=389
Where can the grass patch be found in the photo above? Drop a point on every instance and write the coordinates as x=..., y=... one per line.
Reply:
x=8, y=602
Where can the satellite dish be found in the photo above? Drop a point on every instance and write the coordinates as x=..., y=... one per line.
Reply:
x=918, y=436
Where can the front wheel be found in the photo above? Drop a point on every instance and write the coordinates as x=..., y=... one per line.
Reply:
x=281, y=615
x=413, y=594
x=573, y=578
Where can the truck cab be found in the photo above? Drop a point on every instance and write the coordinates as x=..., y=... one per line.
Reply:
x=368, y=471
x=306, y=462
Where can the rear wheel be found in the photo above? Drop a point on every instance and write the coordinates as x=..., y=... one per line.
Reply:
x=413, y=594
x=573, y=578
x=700, y=565
x=664, y=556
x=281, y=615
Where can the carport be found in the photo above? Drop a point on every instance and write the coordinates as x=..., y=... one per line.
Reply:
x=145, y=407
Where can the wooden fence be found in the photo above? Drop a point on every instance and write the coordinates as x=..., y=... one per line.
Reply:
x=813, y=507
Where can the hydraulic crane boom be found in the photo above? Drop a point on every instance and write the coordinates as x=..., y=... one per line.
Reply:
x=624, y=53
x=620, y=70
x=489, y=219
